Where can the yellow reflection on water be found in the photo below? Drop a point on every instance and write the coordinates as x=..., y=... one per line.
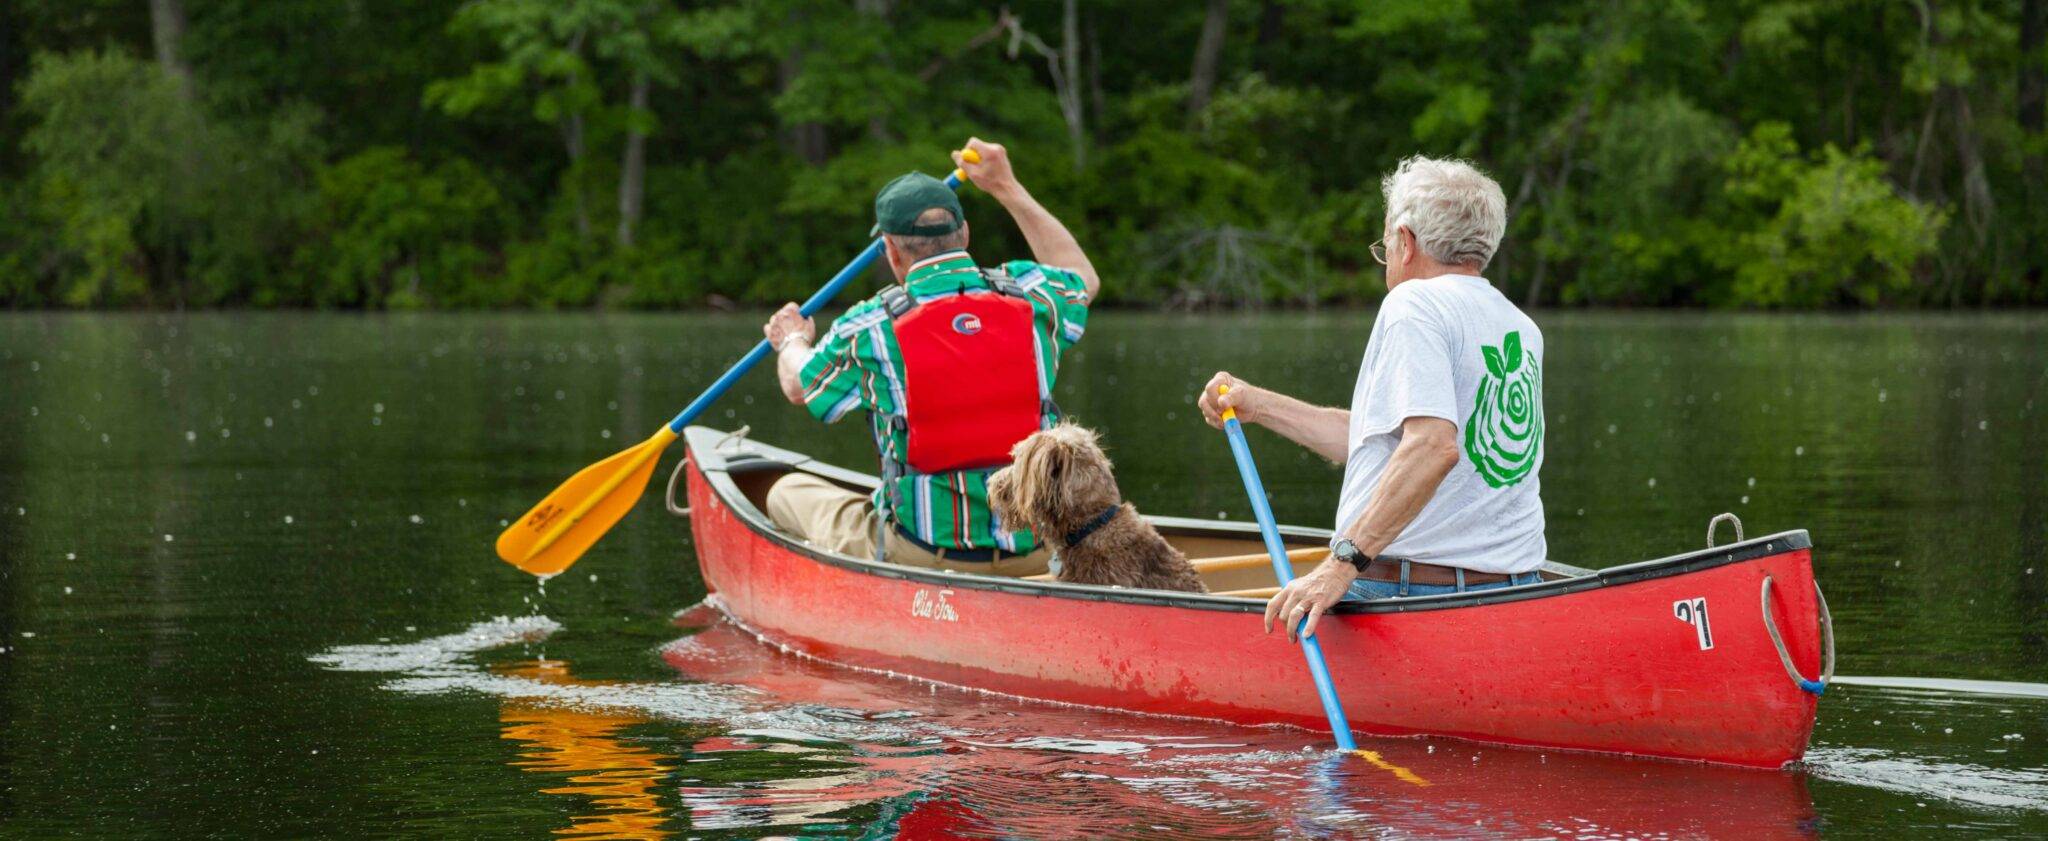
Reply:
x=618, y=779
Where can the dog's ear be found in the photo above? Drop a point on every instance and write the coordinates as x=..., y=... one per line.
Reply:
x=1018, y=494
x=1002, y=498
x=1081, y=476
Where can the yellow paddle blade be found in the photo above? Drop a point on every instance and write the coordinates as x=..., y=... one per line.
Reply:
x=563, y=526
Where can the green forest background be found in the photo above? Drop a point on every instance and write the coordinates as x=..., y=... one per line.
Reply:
x=654, y=153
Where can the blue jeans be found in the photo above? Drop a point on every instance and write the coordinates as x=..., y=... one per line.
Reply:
x=1363, y=590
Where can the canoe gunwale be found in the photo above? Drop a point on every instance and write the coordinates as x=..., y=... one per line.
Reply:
x=706, y=449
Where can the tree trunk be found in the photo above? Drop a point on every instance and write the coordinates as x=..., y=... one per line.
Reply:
x=1202, y=80
x=878, y=125
x=2033, y=94
x=1272, y=24
x=10, y=52
x=572, y=141
x=806, y=140
x=1095, y=95
x=167, y=29
x=633, y=169
x=1070, y=57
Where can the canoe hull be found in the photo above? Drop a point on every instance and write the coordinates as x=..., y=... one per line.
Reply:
x=1609, y=668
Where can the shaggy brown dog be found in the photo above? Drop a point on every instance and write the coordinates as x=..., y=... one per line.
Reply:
x=1059, y=486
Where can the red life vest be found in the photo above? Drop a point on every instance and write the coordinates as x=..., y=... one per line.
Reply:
x=972, y=387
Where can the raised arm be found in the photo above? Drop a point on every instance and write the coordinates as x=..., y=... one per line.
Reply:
x=1050, y=241
x=1320, y=428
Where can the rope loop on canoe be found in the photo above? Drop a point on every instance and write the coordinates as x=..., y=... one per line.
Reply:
x=669, y=498
x=1714, y=525
x=1827, y=642
x=737, y=435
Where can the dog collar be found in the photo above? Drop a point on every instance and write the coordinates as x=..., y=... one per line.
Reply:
x=1076, y=536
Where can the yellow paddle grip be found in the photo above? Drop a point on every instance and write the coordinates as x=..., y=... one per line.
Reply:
x=970, y=156
x=1231, y=413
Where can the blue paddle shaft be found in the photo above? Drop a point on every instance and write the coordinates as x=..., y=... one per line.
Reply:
x=762, y=349
x=1283, y=569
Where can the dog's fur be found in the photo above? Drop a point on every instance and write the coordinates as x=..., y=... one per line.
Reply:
x=1058, y=480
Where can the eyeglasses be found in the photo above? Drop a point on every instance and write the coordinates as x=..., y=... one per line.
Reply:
x=1379, y=251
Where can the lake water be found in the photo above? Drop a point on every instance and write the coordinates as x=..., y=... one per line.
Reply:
x=247, y=587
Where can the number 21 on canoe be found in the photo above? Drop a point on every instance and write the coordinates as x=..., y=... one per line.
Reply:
x=553, y=534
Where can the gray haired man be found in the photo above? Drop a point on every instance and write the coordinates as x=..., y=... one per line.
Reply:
x=1443, y=442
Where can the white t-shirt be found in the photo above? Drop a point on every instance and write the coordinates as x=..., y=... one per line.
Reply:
x=1453, y=347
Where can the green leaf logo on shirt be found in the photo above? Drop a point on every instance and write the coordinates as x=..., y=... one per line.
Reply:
x=1505, y=432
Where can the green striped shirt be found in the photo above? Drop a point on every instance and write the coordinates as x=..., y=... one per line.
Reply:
x=859, y=366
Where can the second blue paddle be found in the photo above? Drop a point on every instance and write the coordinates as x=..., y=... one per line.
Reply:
x=1284, y=570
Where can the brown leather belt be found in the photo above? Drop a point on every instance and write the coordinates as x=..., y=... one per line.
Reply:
x=1389, y=569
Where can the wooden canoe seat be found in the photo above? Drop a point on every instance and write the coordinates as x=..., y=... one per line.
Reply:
x=1228, y=563
x=1253, y=593
x=1259, y=560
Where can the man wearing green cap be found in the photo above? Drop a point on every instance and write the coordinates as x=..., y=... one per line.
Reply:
x=938, y=519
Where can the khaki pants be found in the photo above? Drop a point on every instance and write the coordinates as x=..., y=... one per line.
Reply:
x=835, y=519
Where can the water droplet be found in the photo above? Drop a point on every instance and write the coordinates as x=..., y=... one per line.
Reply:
x=416, y=519
x=287, y=519
x=67, y=591
x=1799, y=451
x=593, y=577
x=72, y=556
x=191, y=436
x=167, y=538
x=267, y=422
x=1752, y=481
x=1983, y=425
x=377, y=407
x=1653, y=483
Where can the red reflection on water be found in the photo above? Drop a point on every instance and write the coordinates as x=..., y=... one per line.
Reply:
x=985, y=766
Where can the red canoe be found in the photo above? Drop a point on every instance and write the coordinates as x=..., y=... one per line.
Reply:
x=1670, y=658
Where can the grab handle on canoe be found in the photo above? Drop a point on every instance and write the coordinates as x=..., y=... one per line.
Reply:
x=669, y=499
x=1714, y=525
x=1827, y=642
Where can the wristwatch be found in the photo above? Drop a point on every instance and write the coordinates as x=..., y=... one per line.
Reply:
x=1346, y=551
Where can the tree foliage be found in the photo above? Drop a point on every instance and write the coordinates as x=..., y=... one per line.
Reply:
x=657, y=153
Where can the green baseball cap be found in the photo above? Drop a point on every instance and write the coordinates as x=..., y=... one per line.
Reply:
x=908, y=197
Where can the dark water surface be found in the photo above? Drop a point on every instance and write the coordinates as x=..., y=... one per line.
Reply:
x=247, y=588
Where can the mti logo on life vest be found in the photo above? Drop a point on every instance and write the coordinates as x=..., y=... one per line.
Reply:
x=967, y=324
